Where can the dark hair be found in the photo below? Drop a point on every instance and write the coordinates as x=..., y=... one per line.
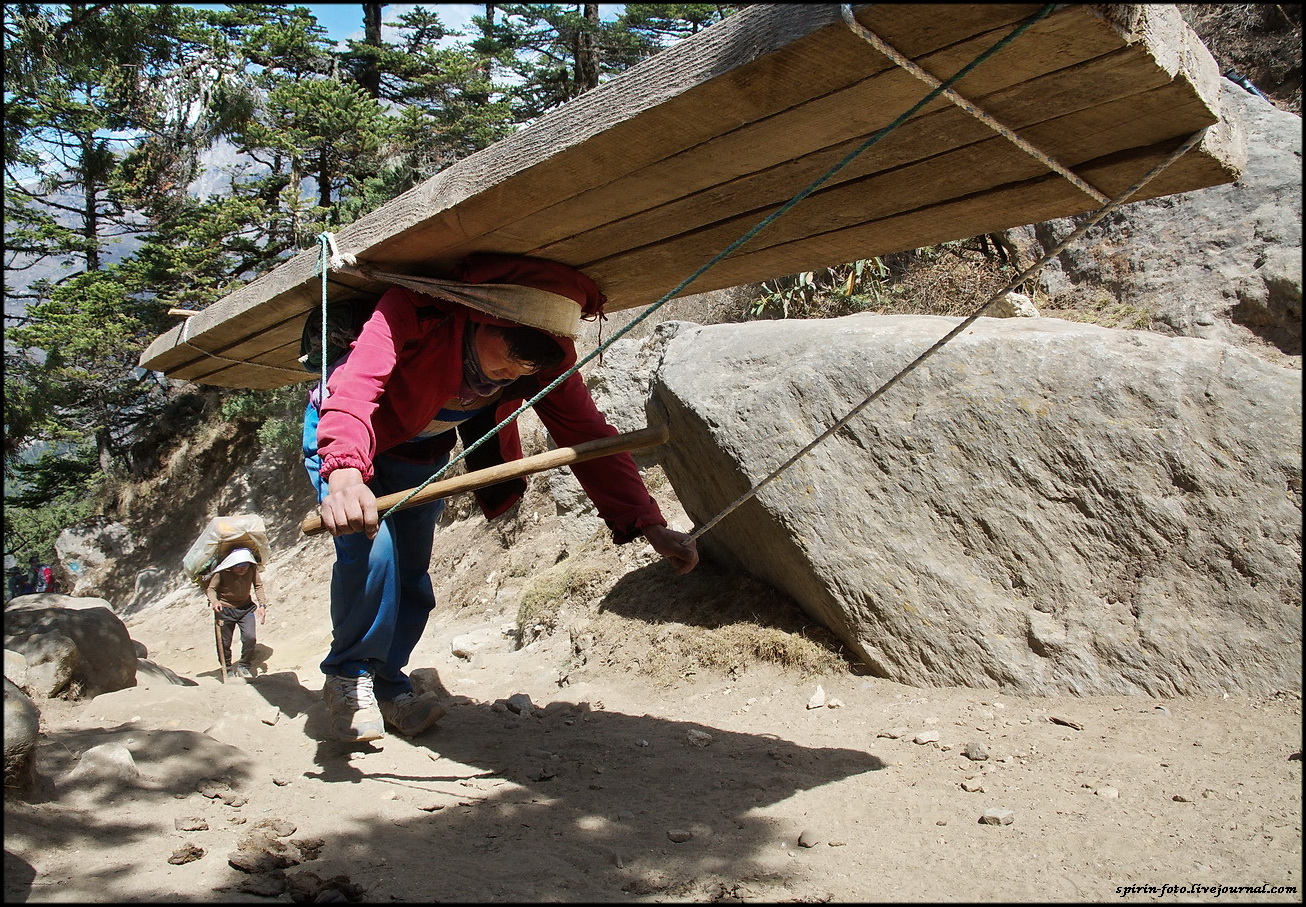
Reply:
x=531, y=346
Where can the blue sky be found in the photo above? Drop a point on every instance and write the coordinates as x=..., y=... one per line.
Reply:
x=345, y=20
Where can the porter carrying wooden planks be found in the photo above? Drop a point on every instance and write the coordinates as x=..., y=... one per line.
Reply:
x=423, y=369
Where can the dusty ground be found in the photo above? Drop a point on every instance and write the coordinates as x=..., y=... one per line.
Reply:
x=607, y=794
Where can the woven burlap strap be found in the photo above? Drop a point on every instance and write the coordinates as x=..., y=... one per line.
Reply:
x=525, y=305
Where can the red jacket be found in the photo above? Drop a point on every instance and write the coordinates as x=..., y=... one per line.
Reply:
x=407, y=363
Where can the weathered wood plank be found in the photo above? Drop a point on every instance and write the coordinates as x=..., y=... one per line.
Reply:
x=835, y=119
x=752, y=61
x=997, y=209
x=945, y=139
x=642, y=180
x=481, y=198
x=280, y=325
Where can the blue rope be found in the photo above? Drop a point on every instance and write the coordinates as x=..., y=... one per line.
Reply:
x=728, y=250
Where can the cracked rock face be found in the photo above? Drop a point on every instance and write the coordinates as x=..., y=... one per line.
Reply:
x=1043, y=505
x=1222, y=263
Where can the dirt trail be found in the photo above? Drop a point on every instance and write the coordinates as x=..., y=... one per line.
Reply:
x=620, y=789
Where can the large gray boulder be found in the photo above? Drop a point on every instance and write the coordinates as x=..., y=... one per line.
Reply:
x=1043, y=506
x=22, y=732
x=72, y=652
x=89, y=554
x=1222, y=263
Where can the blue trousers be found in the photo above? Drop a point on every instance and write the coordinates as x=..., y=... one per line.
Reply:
x=381, y=593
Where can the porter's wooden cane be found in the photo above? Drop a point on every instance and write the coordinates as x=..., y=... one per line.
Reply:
x=217, y=637
x=563, y=456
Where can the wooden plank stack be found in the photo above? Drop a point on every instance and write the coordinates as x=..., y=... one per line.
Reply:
x=644, y=179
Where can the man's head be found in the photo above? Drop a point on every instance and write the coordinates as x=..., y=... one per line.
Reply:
x=238, y=560
x=508, y=353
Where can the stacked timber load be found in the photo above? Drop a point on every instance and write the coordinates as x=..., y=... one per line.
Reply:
x=645, y=179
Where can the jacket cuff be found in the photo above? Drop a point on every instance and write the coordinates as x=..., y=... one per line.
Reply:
x=332, y=462
x=621, y=535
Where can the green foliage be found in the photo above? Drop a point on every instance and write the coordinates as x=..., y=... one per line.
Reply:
x=556, y=52
x=829, y=293
x=41, y=482
x=329, y=131
x=56, y=490
x=278, y=413
x=77, y=81
x=649, y=27
x=110, y=111
x=85, y=387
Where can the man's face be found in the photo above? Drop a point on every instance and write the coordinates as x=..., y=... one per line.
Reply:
x=496, y=362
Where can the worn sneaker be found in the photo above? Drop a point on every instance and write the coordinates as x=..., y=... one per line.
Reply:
x=354, y=715
x=242, y=671
x=409, y=714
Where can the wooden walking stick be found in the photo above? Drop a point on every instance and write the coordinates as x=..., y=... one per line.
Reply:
x=217, y=637
x=563, y=456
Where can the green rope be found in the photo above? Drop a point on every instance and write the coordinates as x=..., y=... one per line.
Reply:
x=758, y=228
x=965, y=323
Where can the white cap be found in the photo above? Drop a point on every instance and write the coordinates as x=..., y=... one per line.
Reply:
x=237, y=556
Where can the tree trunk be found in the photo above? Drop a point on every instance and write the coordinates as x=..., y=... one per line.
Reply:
x=587, y=52
x=323, y=180
x=369, y=76
x=90, y=210
x=487, y=62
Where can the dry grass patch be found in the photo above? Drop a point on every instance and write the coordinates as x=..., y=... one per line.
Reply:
x=545, y=596
x=667, y=627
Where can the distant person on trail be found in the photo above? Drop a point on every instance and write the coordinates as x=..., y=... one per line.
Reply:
x=235, y=593
x=42, y=576
x=20, y=583
x=422, y=367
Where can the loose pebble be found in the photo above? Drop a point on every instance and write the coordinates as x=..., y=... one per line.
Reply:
x=975, y=751
x=995, y=816
x=818, y=698
x=925, y=737
x=808, y=839
x=678, y=835
x=698, y=738
x=520, y=703
x=186, y=853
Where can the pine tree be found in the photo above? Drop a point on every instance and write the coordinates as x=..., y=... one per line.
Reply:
x=82, y=85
